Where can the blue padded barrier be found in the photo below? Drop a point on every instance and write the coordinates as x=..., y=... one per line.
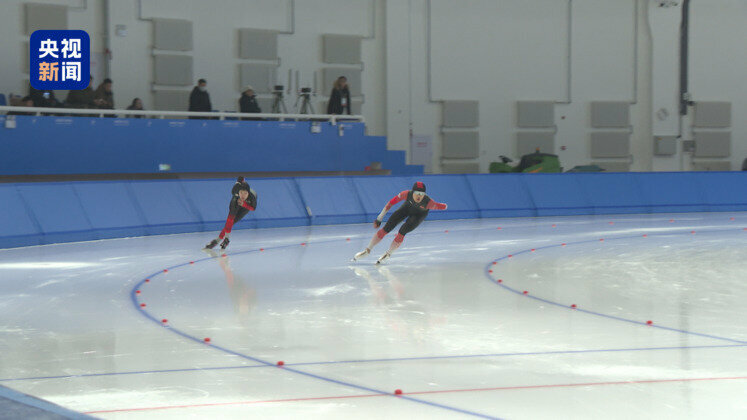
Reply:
x=722, y=194
x=555, y=195
x=57, y=210
x=453, y=190
x=376, y=191
x=669, y=192
x=166, y=206
x=109, y=208
x=501, y=196
x=17, y=226
x=279, y=203
x=331, y=200
x=612, y=193
x=44, y=213
x=210, y=199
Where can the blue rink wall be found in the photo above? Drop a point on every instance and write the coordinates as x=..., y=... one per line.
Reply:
x=44, y=213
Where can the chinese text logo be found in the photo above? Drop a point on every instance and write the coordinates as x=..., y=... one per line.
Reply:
x=59, y=60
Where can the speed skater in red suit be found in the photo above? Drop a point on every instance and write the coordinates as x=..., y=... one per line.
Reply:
x=243, y=200
x=413, y=211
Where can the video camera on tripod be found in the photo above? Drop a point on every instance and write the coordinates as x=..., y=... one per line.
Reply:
x=278, y=105
x=304, y=95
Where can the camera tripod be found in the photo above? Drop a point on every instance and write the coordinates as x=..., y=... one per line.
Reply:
x=278, y=104
x=306, y=106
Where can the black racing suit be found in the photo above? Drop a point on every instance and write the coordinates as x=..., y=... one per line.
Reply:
x=414, y=212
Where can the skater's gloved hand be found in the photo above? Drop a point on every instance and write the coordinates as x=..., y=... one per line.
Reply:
x=377, y=223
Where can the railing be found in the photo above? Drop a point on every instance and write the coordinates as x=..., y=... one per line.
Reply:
x=221, y=115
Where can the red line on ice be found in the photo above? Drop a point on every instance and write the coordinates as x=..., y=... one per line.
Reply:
x=445, y=391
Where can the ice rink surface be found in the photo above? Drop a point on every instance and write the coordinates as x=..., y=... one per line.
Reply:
x=117, y=328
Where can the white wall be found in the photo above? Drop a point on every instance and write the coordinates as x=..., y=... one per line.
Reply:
x=515, y=50
x=663, y=24
x=493, y=51
x=718, y=63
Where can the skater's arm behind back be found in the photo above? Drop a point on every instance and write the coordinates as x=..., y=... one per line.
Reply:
x=435, y=205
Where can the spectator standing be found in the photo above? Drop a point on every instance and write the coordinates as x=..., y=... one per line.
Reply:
x=339, y=99
x=248, y=102
x=199, y=99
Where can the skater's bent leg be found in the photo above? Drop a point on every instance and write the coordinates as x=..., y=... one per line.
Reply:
x=233, y=212
x=232, y=220
x=240, y=213
x=227, y=228
x=396, y=242
x=378, y=236
x=410, y=224
x=393, y=221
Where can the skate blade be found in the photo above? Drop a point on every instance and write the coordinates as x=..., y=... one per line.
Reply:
x=358, y=256
x=213, y=253
x=382, y=259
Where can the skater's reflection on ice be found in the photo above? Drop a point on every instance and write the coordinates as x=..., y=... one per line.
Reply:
x=243, y=296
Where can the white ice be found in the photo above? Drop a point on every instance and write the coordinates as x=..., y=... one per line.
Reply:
x=433, y=321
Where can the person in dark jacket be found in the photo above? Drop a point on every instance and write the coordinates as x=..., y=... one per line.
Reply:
x=43, y=98
x=136, y=105
x=248, y=103
x=104, y=97
x=83, y=98
x=199, y=99
x=26, y=102
x=339, y=99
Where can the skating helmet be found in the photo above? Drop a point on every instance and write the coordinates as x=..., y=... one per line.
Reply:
x=418, y=186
